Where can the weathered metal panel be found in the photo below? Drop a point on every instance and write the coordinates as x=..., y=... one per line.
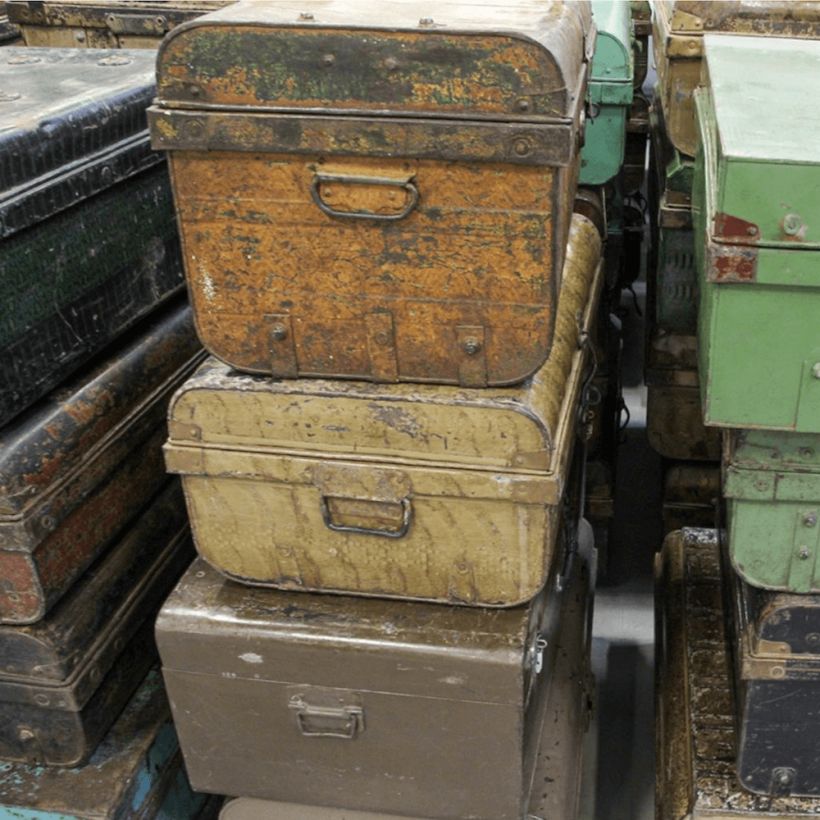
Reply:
x=777, y=667
x=109, y=24
x=695, y=706
x=428, y=710
x=76, y=469
x=679, y=27
x=136, y=772
x=674, y=419
x=89, y=241
x=64, y=680
x=420, y=236
x=609, y=93
x=691, y=495
x=356, y=488
x=772, y=487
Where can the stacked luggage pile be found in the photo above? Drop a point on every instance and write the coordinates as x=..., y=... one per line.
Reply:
x=739, y=612
x=383, y=461
x=95, y=337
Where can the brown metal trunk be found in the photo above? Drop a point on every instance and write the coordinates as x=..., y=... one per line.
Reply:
x=363, y=195
x=380, y=706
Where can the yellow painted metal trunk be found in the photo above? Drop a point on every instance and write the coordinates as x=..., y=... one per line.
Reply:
x=433, y=493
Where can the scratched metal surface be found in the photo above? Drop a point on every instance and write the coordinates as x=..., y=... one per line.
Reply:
x=696, y=740
x=75, y=470
x=134, y=773
x=64, y=680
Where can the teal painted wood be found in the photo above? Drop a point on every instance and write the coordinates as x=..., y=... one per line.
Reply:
x=772, y=487
x=609, y=93
x=756, y=202
x=136, y=772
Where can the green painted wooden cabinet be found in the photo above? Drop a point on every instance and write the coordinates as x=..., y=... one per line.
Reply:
x=609, y=93
x=772, y=486
x=756, y=207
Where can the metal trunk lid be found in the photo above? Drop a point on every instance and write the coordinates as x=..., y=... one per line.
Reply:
x=612, y=63
x=523, y=61
x=73, y=124
x=678, y=32
x=762, y=161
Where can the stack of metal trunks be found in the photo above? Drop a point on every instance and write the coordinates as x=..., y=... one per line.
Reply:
x=401, y=286
x=95, y=337
x=739, y=615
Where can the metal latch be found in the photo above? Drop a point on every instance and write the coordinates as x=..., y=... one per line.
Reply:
x=137, y=24
x=537, y=652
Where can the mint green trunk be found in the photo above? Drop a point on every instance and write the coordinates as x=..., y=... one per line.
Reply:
x=610, y=93
x=756, y=207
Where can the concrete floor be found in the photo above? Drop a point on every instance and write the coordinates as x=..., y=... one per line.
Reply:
x=619, y=756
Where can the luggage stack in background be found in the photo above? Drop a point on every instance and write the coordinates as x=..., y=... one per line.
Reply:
x=752, y=202
x=610, y=96
x=95, y=338
x=384, y=459
x=690, y=451
x=9, y=33
x=102, y=23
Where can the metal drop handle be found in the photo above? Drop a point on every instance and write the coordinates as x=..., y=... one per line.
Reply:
x=404, y=184
x=406, y=515
x=344, y=722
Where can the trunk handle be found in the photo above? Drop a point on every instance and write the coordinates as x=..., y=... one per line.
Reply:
x=407, y=514
x=406, y=184
x=318, y=721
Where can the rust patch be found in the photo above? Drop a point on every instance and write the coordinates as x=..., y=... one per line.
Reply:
x=732, y=264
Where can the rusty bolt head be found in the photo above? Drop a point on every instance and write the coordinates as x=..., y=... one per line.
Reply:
x=279, y=333
x=80, y=36
x=782, y=776
x=803, y=553
x=25, y=734
x=792, y=224
x=115, y=59
x=751, y=230
x=813, y=639
x=523, y=105
x=391, y=63
x=806, y=452
x=472, y=346
x=522, y=147
x=328, y=59
x=383, y=338
x=815, y=370
x=810, y=519
x=306, y=15
x=426, y=21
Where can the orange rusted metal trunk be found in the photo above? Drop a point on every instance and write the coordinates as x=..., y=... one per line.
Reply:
x=365, y=194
